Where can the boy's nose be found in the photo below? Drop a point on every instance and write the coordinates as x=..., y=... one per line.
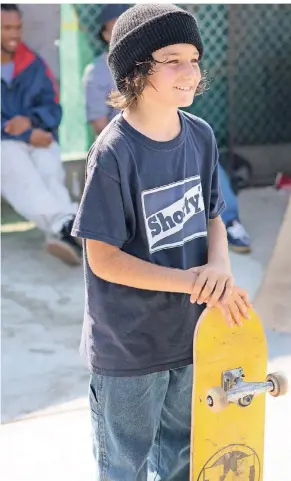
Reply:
x=189, y=71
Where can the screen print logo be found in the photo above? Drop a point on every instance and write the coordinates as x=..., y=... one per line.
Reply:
x=234, y=462
x=174, y=214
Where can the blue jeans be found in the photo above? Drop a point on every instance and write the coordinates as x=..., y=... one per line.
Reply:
x=231, y=211
x=142, y=424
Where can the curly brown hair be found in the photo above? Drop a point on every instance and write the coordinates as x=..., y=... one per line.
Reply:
x=133, y=85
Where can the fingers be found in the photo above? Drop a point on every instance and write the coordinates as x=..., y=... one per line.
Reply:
x=235, y=313
x=198, y=286
x=210, y=289
x=223, y=286
x=227, y=291
x=236, y=310
x=206, y=291
x=230, y=313
x=244, y=295
x=242, y=306
x=226, y=313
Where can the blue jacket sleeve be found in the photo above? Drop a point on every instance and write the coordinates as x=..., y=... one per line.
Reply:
x=47, y=114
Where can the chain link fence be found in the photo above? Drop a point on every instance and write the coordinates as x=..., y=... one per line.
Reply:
x=248, y=60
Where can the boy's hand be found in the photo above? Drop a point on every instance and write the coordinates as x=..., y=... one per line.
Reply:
x=214, y=283
x=236, y=308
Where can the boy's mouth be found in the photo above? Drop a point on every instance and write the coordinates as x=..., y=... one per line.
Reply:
x=185, y=89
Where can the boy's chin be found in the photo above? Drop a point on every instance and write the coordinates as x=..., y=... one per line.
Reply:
x=185, y=100
x=186, y=103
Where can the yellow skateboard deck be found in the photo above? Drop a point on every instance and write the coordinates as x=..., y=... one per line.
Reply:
x=227, y=445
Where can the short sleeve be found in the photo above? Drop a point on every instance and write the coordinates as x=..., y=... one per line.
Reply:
x=217, y=204
x=101, y=214
x=96, y=93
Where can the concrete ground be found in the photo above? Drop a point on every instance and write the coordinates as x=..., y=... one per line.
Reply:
x=46, y=430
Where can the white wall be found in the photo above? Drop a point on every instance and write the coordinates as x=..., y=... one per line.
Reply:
x=41, y=31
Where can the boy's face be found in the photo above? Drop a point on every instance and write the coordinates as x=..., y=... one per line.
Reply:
x=176, y=79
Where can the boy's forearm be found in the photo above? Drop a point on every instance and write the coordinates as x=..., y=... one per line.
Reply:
x=217, y=243
x=127, y=270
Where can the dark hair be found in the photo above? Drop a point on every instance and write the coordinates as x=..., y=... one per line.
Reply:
x=10, y=7
x=133, y=85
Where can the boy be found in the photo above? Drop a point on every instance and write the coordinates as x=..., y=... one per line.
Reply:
x=98, y=83
x=150, y=213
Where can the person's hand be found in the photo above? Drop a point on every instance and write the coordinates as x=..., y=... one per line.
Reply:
x=17, y=125
x=236, y=308
x=214, y=283
x=40, y=138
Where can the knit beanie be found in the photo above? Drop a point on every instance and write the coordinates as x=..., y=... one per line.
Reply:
x=145, y=28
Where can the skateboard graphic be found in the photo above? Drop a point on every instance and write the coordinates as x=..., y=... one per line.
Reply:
x=228, y=399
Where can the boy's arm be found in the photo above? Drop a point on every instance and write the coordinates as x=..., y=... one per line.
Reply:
x=217, y=244
x=215, y=281
x=113, y=265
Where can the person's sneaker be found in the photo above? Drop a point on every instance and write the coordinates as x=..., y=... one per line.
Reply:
x=66, y=247
x=238, y=238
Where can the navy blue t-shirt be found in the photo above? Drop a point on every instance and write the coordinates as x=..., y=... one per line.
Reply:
x=153, y=200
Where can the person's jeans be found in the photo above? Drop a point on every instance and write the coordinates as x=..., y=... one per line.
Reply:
x=142, y=424
x=231, y=211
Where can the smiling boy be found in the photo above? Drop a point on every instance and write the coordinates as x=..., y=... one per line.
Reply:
x=155, y=248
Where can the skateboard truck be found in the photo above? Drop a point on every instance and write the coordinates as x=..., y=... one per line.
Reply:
x=235, y=390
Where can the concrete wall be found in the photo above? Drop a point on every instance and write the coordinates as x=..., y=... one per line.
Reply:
x=41, y=31
x=266, y=161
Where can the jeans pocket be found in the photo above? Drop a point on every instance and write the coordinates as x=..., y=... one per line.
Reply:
x=93, y=395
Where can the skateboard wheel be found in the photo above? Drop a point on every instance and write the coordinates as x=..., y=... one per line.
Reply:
x=216, y=399
x=280, y=383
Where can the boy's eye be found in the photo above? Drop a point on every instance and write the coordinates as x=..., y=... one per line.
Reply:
x=177, y=61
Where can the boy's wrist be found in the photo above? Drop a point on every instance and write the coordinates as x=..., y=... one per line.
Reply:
x=186, y=280
x=220, y=263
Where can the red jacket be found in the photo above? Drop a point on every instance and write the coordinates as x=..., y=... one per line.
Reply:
x=32, y=92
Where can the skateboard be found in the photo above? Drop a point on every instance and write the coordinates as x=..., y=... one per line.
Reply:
x=228, y=401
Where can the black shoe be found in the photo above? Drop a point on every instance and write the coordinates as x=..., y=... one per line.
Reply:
x=66, y=247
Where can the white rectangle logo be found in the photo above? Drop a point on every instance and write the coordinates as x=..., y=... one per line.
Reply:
x=174, y=214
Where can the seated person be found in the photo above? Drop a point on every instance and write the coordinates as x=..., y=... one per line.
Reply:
x=32, y=173
x=97, y=80
x=238, y=238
